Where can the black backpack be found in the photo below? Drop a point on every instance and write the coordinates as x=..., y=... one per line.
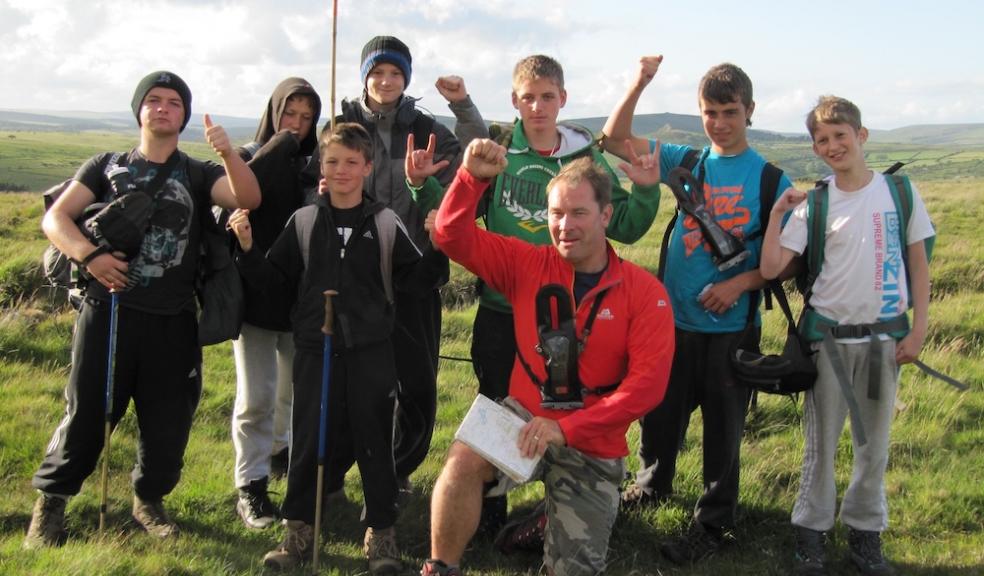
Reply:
x=60, y=271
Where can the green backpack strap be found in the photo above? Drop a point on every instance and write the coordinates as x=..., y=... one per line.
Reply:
x=817, y=203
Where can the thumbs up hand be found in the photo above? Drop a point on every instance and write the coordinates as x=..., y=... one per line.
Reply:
x=217, y=138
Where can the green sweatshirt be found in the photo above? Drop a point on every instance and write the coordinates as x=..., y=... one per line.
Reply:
x=518, y=203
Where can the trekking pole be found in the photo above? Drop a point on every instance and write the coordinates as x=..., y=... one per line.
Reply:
x=326, y=329
x=334, y=42
x=108, y=415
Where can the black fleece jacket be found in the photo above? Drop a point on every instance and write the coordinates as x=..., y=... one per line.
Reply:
x=362, y=313
x=278, y=166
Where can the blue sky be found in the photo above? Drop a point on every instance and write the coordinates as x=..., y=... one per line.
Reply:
x=902, y=62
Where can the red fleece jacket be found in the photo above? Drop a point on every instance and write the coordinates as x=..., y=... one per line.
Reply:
x=631, y=340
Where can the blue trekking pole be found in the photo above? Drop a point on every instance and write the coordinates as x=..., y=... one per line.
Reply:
x=327, y=330
x=108, y=416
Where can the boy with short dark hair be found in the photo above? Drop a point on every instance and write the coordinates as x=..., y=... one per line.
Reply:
x=861, y=288
x=344, y=248
x=710, y=304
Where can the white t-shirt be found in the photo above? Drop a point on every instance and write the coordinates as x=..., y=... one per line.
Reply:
x=862, y=279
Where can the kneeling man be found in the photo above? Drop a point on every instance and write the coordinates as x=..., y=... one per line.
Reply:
x=595, y=344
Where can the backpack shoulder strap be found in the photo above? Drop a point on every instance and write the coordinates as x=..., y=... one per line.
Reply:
x=386, y=223
x=303, y=224
x=816, y=228
x=689, y=161
x=901, y=190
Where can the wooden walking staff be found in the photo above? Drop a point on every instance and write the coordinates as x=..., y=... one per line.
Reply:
x=327, y=330
x=334, y=43
x=114, y=311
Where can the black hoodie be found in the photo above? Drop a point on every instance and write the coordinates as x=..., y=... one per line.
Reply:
x=363, y=314
x=278, y=166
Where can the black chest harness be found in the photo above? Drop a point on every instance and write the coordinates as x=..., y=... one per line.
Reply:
x=560, y=347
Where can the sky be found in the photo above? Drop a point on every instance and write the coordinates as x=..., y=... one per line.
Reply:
x=903, y=62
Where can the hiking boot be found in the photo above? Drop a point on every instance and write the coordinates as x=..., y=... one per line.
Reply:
x=151, y=516
x=700, y=542
x=866, y=553
x=437, y=568
x=296, y=548
x=809, y=557
x=47, y=522
x=254, y=505
x=279, y=462
x=380, y=549
x=525, y=534
x=634, y=496
x=494, y=513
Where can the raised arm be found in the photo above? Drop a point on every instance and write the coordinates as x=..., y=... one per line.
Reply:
x=469, y=123
x=618, y=128
x=239, y=188
x=775, y=258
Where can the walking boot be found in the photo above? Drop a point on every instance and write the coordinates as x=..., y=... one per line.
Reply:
x=47, y=522
x=297, y=547
x=150, y=514
x=380, y=549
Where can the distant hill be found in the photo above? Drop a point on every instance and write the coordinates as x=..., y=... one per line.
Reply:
x=239, y=129
x=42, y=155
x=933, y=135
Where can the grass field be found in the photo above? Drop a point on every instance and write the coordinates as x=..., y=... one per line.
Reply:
x=934, y=481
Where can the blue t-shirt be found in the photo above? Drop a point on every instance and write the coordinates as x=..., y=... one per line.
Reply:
x=731, y=195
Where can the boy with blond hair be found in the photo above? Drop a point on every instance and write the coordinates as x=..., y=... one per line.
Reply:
x=858, y=303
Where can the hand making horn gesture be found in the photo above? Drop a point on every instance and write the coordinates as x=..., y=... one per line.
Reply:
x=419, y=164
x=644, y=169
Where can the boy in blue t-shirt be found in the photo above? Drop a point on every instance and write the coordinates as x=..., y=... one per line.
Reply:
x=710, y=305
x=860, y=289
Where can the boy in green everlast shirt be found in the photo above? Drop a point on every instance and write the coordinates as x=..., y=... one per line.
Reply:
x=516, y=205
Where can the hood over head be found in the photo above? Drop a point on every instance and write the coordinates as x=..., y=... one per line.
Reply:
x=270, y=122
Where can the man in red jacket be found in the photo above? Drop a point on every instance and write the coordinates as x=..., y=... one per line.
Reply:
x=614, y=378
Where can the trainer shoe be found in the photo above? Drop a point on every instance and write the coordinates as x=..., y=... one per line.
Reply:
x=438, y=568
x=297, y=547
x=279, y=462
x=254, y=505
x=151, y=516
x=380, y=549
x=866, y=553
x=700, y=542
x=810, y=559
x=47, y=522
x=524, y=534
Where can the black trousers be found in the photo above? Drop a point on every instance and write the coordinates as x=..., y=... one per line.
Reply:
x=158, y=366
x=493, y=351
x=361, y=400
x=416, y=345
x=701, y=376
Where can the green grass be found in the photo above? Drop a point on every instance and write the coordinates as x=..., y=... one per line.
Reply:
x=935, y=491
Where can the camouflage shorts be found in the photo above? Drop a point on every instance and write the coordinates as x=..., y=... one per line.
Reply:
x=581, y=494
